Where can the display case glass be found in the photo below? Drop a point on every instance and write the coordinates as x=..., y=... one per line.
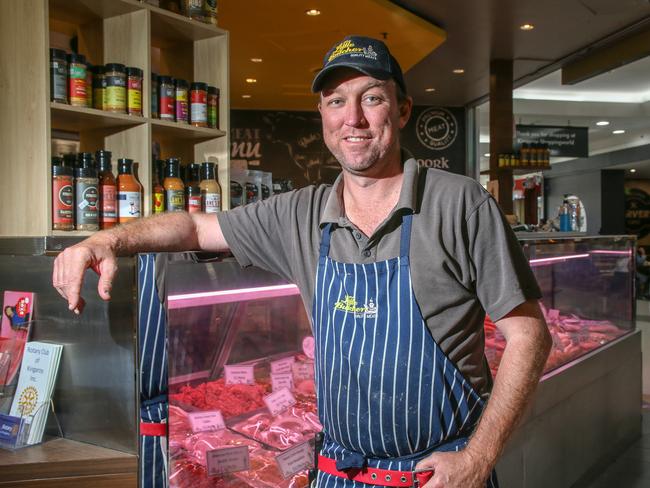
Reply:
x=587, y=286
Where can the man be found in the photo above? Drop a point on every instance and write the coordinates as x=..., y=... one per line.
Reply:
x=397, y=266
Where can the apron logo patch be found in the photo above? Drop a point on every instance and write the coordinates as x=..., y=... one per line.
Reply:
x=349, y=305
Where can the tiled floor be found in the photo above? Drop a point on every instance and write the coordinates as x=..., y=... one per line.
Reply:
x=631, y=469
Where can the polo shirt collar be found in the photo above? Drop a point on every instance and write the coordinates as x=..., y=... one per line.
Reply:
x=335, y=213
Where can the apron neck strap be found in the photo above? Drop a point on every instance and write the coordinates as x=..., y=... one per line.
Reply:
x=325, y=240
x=405, y=239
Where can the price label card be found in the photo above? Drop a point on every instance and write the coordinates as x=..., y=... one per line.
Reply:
x=282, y=365
x=281, y=380
x=206, y=421
x=308, y=346
x=303, y=371
x=239, y=375
x=227, y=460
x=278, y=401
x=295, y=460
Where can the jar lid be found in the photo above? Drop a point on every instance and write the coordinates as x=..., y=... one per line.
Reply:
x=213, y=90
x=57, y=53
x=76, y=58
x=59, y=170
x=85, y=160
x=85, y=172
x=181, y=83
x=154, y=76
x=120, y=68
x=199, y=85
x=131, y=71
x=165, y=79
x=98, y=69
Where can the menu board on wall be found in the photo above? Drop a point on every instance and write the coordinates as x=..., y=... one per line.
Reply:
x=290, y=144
x=637, y=210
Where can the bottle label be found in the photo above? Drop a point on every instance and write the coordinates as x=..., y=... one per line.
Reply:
x=236, y=194
x=63, y=199
x=107, y=210
x=211, y=202
x=158, y=203
x=194, y=203
x=87, y=201
x=199, y=106
x=175, y=200
x=129, y=205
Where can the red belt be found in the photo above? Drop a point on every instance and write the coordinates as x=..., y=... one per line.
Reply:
x=375, y=476
x=153, y=429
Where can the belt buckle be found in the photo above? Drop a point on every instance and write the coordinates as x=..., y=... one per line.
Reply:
x=415, y=472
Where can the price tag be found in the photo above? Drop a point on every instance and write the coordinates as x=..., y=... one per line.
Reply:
x=308, y=346
x=278, y=401
x=281, y=380
x=303, y=371
x=282, y=365
x=553, y=314
x=295, y=460
x=206, y=421
x=239, y=375
x=227, y=460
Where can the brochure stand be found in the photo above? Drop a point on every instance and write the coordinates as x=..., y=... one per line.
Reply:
x=14, y=431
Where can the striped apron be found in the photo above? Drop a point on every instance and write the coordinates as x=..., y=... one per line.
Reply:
x=387, y=394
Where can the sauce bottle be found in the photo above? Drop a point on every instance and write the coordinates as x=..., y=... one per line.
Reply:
x=107, y=191
x=86, y=194
x=210, y=189
x=157, y=190
x=128, y=192
x=192, y=189
x=174, y=188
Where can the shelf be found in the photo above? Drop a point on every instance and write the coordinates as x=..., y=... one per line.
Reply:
x=183, y=131
x=519, y=170
x=84, y=11
x=73, y=233
x=76, y=119
x=168, y=28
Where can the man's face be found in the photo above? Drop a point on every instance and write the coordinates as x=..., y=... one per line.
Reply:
x=361, y=121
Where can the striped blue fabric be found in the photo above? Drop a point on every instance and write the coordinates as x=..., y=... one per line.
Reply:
x=385, y=388
x=153, y=373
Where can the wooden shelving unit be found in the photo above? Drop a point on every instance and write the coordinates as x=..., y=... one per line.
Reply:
x=119, y=31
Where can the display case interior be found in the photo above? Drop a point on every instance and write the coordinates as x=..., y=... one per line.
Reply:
x=587, y=295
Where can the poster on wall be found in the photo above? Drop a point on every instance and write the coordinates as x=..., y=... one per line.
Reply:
x=290, y=144
x=637, y=213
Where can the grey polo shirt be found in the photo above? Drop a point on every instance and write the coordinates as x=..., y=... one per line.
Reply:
x=465, y=260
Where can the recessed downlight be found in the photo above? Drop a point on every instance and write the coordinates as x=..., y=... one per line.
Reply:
x=632, y=170
x=458, y=71
x=526, y=27
x=256, y=60
x=602, y=122
x=430, y=89
x=245, y=96
x=251, y=80
x=312, y=12
x=618, y=131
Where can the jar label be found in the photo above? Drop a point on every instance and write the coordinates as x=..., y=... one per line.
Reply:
x=59, y=88
x=167, y=107
x=252, y=193
x=199, y=107
x=236, y=194
x=194, y=203
x=78, y=72
x=211, y=202
x=78, y=91
x=135, y=100
x=98, y=98
x=158, y=203
x=129, y=205
x=181, y=108
x=107, y=211
x=63, y=199
x=175, y=200
x=212, y=116
x=115, y=98
x=87, y=200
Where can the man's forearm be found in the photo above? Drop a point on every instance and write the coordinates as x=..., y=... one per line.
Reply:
x=521, y=366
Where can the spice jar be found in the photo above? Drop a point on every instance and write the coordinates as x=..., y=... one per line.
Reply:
x=134, y=91
x=89, y=85
x=115, y=100
x=107, y=191
x=86, y=194
x=128, y=192
x=192, y=189
x=199, y=104
x=58, y=76
x=213, y=107
x=210, y=12
x=62, y=196
x=77, y=80
x=193, y=9
x=181, y=101
x=210, y=189
x=157, y=190
x=155, y=113
x=167, y=106
x=99, y=86
x=174, y=188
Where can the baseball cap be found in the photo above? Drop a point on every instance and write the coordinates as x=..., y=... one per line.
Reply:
x=365, y=54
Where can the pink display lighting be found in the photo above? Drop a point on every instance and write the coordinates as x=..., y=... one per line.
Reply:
x=605, y=251
x=545, y=261
x=228, y=296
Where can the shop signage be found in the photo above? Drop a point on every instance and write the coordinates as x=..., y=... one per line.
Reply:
x=637, y=212
x=563, y=142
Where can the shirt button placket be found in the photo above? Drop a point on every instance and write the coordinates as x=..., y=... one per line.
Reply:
x=366, y=253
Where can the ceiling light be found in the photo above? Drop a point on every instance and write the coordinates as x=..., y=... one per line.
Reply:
x=527, y=27
x=312, y=12
x=632, y=170
x=618, y=131
x=458, y=71
x=245, y=96
x=487, y=155
x=429, y=90
x=256, y=60
x=251, y=80
x=602, y=122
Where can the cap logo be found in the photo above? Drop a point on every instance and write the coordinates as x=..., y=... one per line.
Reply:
x=348, y=47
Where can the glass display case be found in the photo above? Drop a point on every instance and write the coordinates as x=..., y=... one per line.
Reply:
x=587, y=286
x=242, y=404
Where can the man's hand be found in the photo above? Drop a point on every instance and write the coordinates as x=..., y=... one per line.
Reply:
x=455, y=470
x=72, y=263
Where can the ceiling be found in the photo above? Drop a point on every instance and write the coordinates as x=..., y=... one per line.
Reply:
x=292, y=44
